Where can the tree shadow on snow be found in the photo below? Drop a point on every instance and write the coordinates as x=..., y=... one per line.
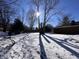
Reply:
x=64, y=46
x=46, y=39
x=65, y=41
x=42, y=50
x=3, y=51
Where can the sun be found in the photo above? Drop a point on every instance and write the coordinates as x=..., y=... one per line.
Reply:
x=37, y=14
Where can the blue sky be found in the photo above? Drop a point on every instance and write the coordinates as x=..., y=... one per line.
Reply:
x=69, y=7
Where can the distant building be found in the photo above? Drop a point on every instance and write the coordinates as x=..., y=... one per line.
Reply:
x=77, y=23
x=72, y=29
x=74, y=23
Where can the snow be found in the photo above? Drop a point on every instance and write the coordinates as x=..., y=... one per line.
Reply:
x=35, y=46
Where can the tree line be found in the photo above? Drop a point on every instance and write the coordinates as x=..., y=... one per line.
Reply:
x=9, y=20
x=67, y=21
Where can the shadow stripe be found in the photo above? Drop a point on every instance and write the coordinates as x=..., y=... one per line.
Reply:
x=67, y=48
x=42, y=50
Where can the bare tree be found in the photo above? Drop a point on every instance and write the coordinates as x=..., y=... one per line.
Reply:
x=18, y=5
x=37, y=4
x=31, y=18
x=6, y=12
x=49, y=7
x=66, y=21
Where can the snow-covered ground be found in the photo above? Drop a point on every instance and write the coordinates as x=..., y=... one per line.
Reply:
x=35, y=46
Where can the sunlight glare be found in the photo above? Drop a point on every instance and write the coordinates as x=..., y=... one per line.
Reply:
x=37, y=14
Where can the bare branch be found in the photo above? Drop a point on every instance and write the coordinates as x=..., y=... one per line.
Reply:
x=48, y=8
x=49, y=17
x=51, y=5
x=9, y=3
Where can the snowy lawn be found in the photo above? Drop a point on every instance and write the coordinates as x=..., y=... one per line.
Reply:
x=35, y=46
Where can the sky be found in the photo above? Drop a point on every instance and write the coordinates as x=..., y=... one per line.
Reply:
x=68, y=7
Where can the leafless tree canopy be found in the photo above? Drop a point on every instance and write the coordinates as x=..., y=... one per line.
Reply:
x=31, y=18
x=6, y=11
x=7, y=3
x=48, y=8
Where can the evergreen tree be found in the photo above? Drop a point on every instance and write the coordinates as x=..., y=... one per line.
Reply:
x=18, y=26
